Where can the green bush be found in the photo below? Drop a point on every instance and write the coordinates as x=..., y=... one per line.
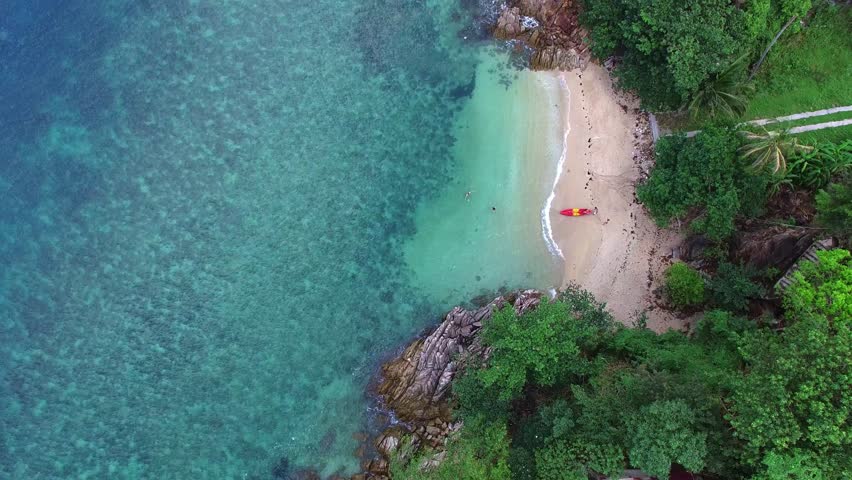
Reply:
x=823, y=288
x=703, y=178
x=814, y=169
x=560, y=460
x=834, y=210
x=479, y=452
x=684, y=285
x=792, y=408
x=731, y=288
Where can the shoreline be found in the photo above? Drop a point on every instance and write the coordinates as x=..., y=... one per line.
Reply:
x=546, y=223
x=619, y=254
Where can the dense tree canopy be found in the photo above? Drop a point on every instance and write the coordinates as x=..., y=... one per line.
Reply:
x=669, y=47
x=567, y=394
x=702, y=178
x=794, y=403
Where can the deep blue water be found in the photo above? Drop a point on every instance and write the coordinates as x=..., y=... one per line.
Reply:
x=203, y=204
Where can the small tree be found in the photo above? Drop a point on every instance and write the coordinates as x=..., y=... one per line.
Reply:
x=664, y=433
x=684, y=285
x=723, y=96
x=731, y=287
x=544, y=346
x=702, y=178
x=834, y=210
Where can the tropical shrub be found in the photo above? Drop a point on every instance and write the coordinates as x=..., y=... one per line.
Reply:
x=814, y=169
x=731, y=288
x=723, y=96
x=684, y=285
x=797, y=466
x=823, y=288
x=560, y=460
x=834, y=210
x=702, y=177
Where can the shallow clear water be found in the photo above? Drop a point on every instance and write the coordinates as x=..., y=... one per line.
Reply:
x=217, y=216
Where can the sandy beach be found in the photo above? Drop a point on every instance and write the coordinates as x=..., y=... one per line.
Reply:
x=620, y=254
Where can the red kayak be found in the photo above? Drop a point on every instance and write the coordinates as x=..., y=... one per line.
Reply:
x=577, y=212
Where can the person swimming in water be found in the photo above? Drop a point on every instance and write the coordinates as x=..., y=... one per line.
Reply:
x=467, y=196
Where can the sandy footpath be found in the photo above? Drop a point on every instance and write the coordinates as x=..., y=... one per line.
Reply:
x=617, y=253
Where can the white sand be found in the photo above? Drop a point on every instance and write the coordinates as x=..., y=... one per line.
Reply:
x=620, y=254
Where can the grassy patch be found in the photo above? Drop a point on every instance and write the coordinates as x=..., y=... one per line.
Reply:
x=809, y=70
x=803, y=121
x=835, y=135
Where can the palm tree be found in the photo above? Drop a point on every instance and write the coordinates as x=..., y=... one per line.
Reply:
x=770, y=148
x=722, y=96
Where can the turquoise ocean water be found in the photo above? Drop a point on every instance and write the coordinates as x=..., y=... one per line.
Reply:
x=217, y=216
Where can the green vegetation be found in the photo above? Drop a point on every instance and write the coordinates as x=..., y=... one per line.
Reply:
x=733, y=399
x=732, y=287
x=793, y=403
x=814, y=169
x=479, y=452
x=569, y=394
x=834, y=210
x=809, y=70
x=663, y=433
x=702, y=180
x=669, y=47
x=771, y=149
x=833, y=135
x=696, y=55
x=684, y=285
x=723, y=96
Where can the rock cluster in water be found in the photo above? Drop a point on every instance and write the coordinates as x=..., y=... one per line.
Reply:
x=551, y=28
x=415, y=385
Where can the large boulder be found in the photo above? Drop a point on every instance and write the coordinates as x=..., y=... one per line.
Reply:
x=551, y=28
x=509, y=25
x=776, y=247
x=557, y=58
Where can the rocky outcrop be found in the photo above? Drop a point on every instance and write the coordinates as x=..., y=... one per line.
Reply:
x=510, y=24
x=776, y=247
x=551, y=28
x=415, y=386
x=552, y=57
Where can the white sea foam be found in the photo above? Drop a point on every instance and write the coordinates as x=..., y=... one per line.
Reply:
x=546, y=227
x=529, y=23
